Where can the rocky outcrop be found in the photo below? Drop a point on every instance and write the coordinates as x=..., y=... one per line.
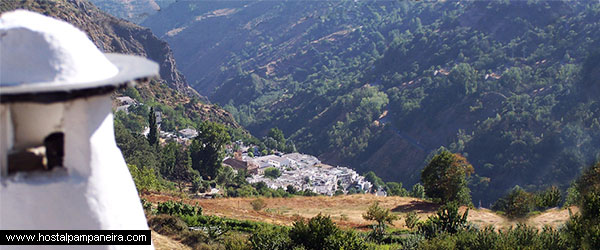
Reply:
x=111, y=34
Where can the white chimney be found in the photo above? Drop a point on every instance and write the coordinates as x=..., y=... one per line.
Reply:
x=60, y=167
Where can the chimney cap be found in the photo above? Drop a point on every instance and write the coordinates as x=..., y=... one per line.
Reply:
x=48, y=60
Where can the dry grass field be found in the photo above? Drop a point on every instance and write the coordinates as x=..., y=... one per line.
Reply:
x=347, y=210
x=162, y=242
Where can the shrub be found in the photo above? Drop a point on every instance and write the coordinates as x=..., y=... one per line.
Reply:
x=548, y=198
x=146, y=205
x=517, y=203
x=314, y=234
x=167, y=225
x=418, y=191
x=347, y=240
x=344, y=217
x=178, y=208
x=411, y=219
x=317, y=233
x=268, y=238
x=272, y=173
x=236, y=241
x=258, y=204
x=382, y=216
x=396, y=189
x=145, y=178
x=196, y=239
x=446, y=220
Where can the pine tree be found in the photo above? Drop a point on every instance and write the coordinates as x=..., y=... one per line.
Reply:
x=153, y=134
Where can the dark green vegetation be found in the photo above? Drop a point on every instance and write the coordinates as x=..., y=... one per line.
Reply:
x=272, y=173
x=447, y=229
x=582, y=231
x=213, y=232
x=519, y=203
x=512, y=86
x=207, y=148
x=382, y=216
x=197, y=167
x=445, y=178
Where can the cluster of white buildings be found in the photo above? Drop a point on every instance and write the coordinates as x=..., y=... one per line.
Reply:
x=306, y=172
x=182, y=136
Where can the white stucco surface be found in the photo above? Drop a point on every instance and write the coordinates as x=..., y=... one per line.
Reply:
x=94, y=190
x=6, y=138
x=43, y=50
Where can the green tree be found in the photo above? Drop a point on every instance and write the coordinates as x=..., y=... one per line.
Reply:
x=517, y=203
x=133, y=93
x=548, y=198
x=175, y=164
x=277, y=134
x=153, y=134
x=375, y=180
x=418, y=191
x=206, y=150
x=135, y=148
x=314, y=234
x=382, y=216
x=145, y=178
x=464, y=78
x=291, y=189
x=583, y=230
x=225, y=176
x=272, y=173
x=396, y=189
x=445, y=178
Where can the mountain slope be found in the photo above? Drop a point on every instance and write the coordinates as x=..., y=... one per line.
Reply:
x=111, y=34
x=134, y=11
x=382, y=85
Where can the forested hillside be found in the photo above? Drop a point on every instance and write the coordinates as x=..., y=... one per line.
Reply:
x=381, y=85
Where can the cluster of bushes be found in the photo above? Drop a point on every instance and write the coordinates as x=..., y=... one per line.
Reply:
x=394, y=188
x=147, y=179
x=186, y=223
x=582, y=231
x=260, y=189
x=215, y=237
x=178, y=208
x=519, y=203
x=521, y=237
x=318, y=233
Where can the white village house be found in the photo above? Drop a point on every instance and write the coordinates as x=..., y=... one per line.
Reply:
x=188, y=133
x=60, y=168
